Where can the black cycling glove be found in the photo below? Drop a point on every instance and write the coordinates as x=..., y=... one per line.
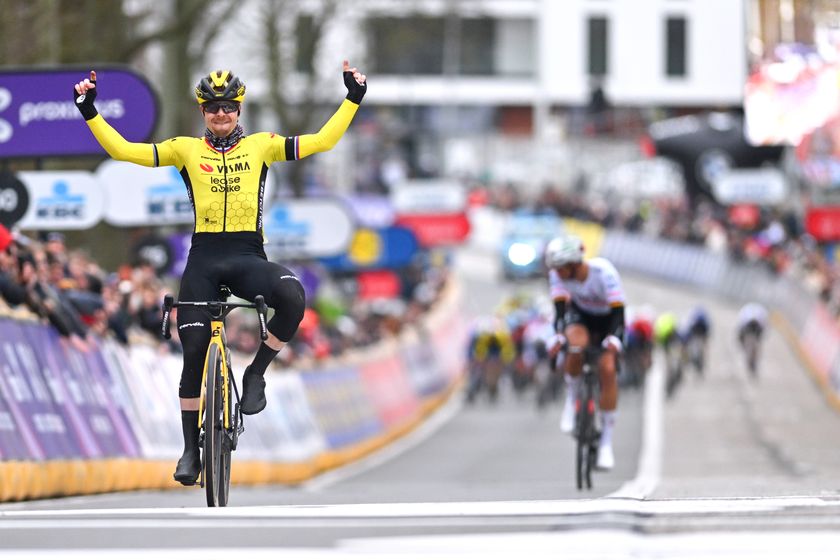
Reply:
x=355, y=90
x=85, y=102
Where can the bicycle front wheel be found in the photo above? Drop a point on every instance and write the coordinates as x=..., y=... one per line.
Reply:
x=585, y=425
x=213, y=427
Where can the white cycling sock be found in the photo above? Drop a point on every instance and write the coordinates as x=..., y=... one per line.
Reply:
x=572, y=384
x=607, y=425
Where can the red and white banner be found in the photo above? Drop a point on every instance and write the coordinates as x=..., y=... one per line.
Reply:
x=433, y=230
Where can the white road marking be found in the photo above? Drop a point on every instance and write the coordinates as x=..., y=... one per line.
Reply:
x=430, y=510
x=653, y=436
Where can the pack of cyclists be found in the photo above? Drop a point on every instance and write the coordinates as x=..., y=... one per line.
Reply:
x=638, y=347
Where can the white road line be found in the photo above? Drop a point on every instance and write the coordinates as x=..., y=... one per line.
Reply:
x=430, y=510
x=653, y=437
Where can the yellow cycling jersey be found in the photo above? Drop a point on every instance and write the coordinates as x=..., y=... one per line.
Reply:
x=226, y=188
x=497, y=343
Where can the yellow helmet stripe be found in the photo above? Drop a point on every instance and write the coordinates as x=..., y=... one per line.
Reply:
x=220, y=78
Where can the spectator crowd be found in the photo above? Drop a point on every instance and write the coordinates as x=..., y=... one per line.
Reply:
x=67, y=288
x=42, y=278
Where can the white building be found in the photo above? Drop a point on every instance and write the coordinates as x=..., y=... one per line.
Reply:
x=674, y=53
x=498, y=87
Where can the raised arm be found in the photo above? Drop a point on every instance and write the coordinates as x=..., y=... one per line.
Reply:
x=326, y=138
x=84, y=94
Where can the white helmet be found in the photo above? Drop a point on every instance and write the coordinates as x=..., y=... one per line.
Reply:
x=563, y=250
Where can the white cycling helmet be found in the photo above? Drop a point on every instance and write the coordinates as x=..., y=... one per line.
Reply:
x=563, y=250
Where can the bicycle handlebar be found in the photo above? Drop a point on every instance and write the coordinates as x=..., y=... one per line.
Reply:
x=169, y=302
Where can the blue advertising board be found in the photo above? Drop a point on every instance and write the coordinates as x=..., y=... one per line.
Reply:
x=376, y=249
x=38, y=117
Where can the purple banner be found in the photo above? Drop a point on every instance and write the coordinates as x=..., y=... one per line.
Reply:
x=372, y=211
x=14, y=444
x=40, y=417
x=180, y=244
x=38, y=117
x=117, y=400
x=63, y=402
x=91, y=394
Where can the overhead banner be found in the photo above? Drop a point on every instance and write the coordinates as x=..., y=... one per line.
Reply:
x=429, y=196
x=435, y=230
x=763, y=186
x=372, y=211
x=38, y=117
x=61, y=200
x=306, y=228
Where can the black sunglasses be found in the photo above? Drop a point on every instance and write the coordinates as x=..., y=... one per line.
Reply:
x=227, y=106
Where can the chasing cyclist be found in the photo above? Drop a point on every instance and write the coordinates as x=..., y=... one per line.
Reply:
x=490, y=352
x=694, y=332
x=752, y=322
x=589, y=311
x=224, y=172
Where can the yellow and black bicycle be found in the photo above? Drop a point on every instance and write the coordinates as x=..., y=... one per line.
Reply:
x=219, y=417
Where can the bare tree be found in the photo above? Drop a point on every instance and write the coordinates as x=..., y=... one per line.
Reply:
x=194, y=24
x=293, y=37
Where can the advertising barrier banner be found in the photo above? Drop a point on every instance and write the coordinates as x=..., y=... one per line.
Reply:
x=47, y=430
x=389, y=390
x=14, y=444
x=342, y=410
x=151, y=382
x=286, y=429
x=424, y=372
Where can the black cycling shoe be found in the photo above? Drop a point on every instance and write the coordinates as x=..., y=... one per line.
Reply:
x=253, y=393
x=189, y=467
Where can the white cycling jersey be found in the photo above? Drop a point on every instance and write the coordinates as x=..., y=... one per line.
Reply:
x=752, y=312
x=597, y=294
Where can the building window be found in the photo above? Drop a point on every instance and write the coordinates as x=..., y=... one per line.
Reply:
x=466, y=46
x=407, y=45
x=597, y=45
x=676, y=33
x=477, y=37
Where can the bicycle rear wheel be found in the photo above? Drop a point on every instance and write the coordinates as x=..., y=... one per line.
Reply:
x=213, y=427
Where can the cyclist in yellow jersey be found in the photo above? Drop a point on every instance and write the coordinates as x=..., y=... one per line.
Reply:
x=224, y=172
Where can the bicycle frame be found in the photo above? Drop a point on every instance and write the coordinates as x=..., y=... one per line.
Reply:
x=587, y=433
x=217, y=337
x=220, y=438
